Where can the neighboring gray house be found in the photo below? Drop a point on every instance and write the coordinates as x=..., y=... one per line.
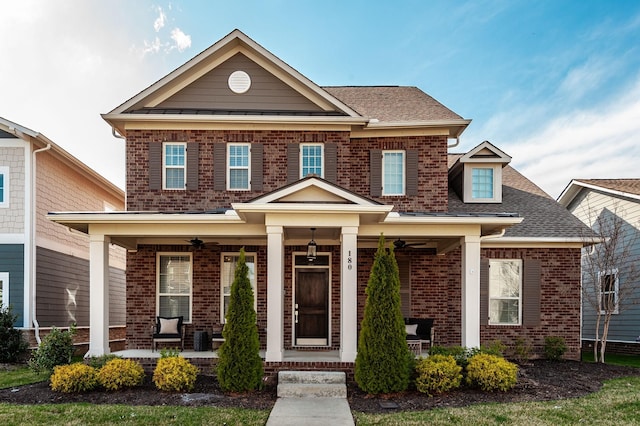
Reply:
x=44, y=268
x=588, y=200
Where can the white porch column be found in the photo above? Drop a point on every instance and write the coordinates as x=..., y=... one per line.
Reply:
x=275, y=294
x=349, y=294
x=98, y=295
x=471, y=291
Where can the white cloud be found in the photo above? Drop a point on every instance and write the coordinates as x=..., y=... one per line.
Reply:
x=598, y=142
x=158, y=24
x=182, y=41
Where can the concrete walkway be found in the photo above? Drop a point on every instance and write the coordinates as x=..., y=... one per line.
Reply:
x=311, y=412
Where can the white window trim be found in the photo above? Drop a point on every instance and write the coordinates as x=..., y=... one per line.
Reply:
x=468, y=182
x=182, y=254
x=4, y=170
x=254, y=283
x=519, y=298
x=248, y=167
x=302, y=145
x=4, y=277
x=165, y=167
x=404, y=173
x=616, y=292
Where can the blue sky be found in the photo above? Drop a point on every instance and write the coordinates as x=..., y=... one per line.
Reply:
x=553, y=83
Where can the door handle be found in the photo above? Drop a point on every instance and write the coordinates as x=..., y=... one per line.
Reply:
x=295, y=316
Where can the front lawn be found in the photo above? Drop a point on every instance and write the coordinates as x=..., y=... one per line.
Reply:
x=615, y=359
x=18, y=375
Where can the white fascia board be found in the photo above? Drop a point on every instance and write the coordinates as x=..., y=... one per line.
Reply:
x=466, y=220
x=573, y=189
x=539, y=241
x=98, y=217
x=310, y=208
x=279, y=119
x=313, y=182
x=424, y=123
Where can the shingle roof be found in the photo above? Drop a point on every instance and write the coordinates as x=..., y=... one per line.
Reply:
x=543, y=216
x=631, y=186
x=392, y=103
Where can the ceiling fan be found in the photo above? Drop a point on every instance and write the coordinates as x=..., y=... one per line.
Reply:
x=197, y=243
x=401, y=244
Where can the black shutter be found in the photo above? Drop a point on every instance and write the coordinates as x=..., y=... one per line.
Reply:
x=220, y=167
x=155, y=166
x=484, y=291
x=531, y=292
x=293, y=162
x=256, y=166
x=375, y=172
x=331, y=162
x=412, y=173
x=192, y=166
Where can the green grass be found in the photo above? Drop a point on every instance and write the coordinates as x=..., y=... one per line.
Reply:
x=82, y=414
x=616, y=404
x=628, y=360
x=20, y=375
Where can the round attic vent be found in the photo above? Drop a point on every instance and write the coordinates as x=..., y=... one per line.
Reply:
x=239, y=82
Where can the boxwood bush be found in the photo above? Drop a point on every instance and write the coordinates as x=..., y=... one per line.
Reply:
x=491, y=373
x=121, y=373
x=437, y=374
x=76, y=377
x=175, y=374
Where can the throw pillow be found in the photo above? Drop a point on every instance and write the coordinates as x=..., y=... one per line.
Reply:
x=168, y=325
x=411, y=329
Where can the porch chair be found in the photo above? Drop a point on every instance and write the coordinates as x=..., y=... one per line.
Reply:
x=168, y=330
x=421, y=330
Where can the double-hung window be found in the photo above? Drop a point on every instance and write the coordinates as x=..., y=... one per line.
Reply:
x=174, y=165
x=4, y=289
x=227, y=274
x=4, y=187
x=482, y=183
x=393, y=172
x=174, y=290
x=505, y=291
x=609, y=286
x=238, y=161
x=311, y=160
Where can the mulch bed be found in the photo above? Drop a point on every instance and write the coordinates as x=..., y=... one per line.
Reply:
x=537, y=381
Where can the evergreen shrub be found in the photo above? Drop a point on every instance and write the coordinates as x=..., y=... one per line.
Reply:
x=491, y=373
x=56, y=348
x=437, y=374
x=76, y=377
x=554, y=347
x=383, y=363
x=12, y=344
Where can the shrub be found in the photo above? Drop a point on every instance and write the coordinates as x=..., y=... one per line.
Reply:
x=121, y=373
x=437, y=374
x=521, y=350
x=460, y=354
x=383, y=362
x=495, y=347
x=98, y=362
x=55, y=349
x=491, y=373
x=239, y=364
x=77, y=377
x=554, y=347
x=12, y=345
x=175, y=374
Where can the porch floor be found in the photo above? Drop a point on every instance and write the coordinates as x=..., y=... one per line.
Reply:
x=288, y=356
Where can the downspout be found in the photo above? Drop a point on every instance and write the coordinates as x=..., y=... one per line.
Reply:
x=496, y=235
x=32, y=243
x=115, y=135
x=456, y=143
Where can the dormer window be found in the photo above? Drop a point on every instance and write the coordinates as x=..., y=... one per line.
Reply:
x=477, y=175
x=482, y=183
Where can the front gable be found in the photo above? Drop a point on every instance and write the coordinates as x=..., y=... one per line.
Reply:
x=236, y=77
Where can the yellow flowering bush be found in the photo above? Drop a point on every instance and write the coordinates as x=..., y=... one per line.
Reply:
x=121, y=373
x=491, y=373
x=175, y=374
x=76, y=377
x=437, y=374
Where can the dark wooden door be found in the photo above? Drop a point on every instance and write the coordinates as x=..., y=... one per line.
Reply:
x=312, y=306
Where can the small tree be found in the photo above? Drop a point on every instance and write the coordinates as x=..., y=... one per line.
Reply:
x=240, y=365
x=12, y=343
x=611, y=277
x=384, y=362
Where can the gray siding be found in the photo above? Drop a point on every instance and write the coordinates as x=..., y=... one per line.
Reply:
x=267, y=93
x=12, y=261
x=625, y=326
x=62, y=295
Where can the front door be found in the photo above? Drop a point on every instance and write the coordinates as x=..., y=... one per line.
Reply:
x=311, y=307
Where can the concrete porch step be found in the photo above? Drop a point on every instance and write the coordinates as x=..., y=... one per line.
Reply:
x=312, y=384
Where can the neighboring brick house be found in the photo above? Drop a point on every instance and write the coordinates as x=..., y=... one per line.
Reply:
x=44, y=268
x=605, y=201
x=237, y=149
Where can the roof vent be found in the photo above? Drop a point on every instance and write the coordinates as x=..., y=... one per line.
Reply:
x=239, y=82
